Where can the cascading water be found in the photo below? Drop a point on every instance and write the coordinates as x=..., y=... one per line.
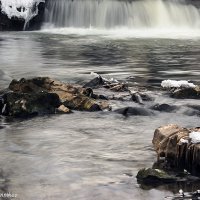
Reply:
x=123, y=18
x=109, y=15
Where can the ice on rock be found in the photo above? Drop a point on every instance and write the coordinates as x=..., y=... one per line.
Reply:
x=25, y=9
x=195, y=137
x=177, y=84
x=183, y=140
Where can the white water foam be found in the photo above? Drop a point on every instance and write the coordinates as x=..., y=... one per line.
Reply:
x=122, y=33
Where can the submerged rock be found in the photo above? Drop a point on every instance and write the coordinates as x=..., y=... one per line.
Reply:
x=185, y=195
x=23, y=104
x=128, y=111
x=153, y=176
x=139, y=97
x=164, y=107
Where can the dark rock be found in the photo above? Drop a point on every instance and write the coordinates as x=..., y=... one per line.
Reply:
x=151, y=176
x=13, y=24
x=136, y=97
x=100, y=96
x=128, y=111
x=186, y=93
x=102, y=82
x=24, y=104
x=89, y=93
x=195, y=107
x=1, y=104
x=95, y=83
x=139, y=97
x=36, y=22
x=190, y=111
x=18, y=24
x=164, y=107
x=186, y=195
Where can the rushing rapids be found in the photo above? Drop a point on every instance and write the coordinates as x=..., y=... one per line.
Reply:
x=111, y=14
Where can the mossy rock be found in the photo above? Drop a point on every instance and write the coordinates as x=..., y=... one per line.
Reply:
x=149, y=176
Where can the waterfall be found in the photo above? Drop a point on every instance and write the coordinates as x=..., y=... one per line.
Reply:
x=112, y=14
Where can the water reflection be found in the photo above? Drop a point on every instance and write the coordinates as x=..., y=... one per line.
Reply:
x=73, y=57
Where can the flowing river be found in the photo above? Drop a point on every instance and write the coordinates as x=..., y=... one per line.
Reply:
x=93, y=156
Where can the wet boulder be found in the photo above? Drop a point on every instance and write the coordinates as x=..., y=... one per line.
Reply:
x=164, y=107
x=136, y=97
x=154, y=176
x=112, y=84
x=24, y=104
x=139, y=97
x=134, y=111
x=179, y=148
x=162, y=136
x=72, y=96
x=186, y=93
x=95, y=83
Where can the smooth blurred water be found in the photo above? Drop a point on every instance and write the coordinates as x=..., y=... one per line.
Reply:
x=72, y=57
x=91, y=156
x=109, y=14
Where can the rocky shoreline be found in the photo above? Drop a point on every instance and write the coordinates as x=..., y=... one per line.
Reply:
x=178, y=155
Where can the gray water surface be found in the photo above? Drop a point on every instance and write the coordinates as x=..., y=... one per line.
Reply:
x=89, y=156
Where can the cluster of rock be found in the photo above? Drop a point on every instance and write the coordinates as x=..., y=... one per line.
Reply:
x=178, y=156
x=181, y=89
x=43, y=95
x=177, y=148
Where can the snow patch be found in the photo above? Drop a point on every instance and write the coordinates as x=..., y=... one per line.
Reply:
x=183, y=140
x=177, y=84
x=24, y=9
x=195, y=137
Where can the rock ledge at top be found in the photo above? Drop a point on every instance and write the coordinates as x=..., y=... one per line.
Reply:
x=18, y=15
